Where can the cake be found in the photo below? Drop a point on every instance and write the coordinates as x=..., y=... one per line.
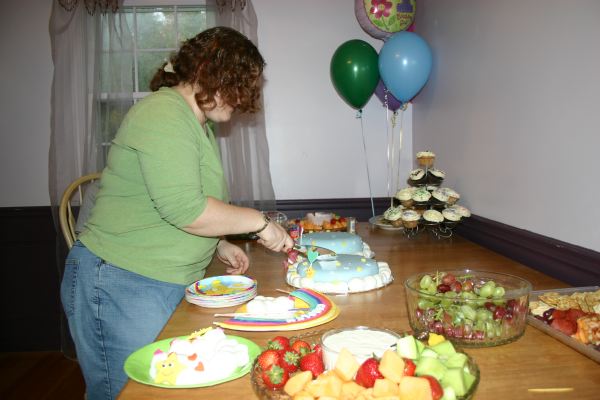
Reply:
x=393, y=215
x=417, y=176
x=425, y=158
x=405, y=196
x=453, y=196
x=462, y=211
x=451, y=216
x=421, y=196
x=410, y=218
x=204, y=356
x=346, y=273
x=435, y=175
x=339, y=242
x=440, y=196
x=432, y=217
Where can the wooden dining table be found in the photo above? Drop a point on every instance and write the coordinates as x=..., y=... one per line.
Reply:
x=536, y=366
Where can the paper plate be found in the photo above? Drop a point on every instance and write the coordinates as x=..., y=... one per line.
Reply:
x=221, y=291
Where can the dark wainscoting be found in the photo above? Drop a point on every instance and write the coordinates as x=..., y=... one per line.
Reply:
x=31, y=254
x=573, y=264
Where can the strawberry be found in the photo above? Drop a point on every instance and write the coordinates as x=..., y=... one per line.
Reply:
x=318, y=349
x=313, y=363
x=279, y=343
x=573, y=314
x=368, y=372
x=301, y=347
x=268, y=358
x=409, y=367
x=564, y=325
x=275, y=377
x=436, y=389
x=289, y=360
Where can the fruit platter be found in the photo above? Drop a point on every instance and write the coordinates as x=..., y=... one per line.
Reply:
x=471, y=308
x=300, y=368
x=321, y=222
x=570, y=315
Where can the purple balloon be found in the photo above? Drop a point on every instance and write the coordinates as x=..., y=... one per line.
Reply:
x=392, y=103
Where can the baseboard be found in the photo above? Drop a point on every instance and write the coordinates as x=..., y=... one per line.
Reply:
x=572, y=264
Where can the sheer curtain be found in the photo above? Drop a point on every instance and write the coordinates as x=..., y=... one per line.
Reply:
x=91, y=91
x=243, y=140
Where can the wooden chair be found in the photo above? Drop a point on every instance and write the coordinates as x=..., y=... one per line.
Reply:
x=71, y=198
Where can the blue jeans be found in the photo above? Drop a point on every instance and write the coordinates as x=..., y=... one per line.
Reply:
x=112, y=312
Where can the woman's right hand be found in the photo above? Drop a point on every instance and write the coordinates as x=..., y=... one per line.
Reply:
x=274, y=237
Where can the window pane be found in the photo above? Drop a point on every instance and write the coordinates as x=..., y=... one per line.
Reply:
x=156, y=28
x=191, y=22
x=148, y=63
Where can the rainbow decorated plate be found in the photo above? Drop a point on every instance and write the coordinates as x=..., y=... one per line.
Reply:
x=313, y=309
x=221, y=291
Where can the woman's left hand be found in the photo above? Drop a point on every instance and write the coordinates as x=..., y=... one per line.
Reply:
x=233, y=256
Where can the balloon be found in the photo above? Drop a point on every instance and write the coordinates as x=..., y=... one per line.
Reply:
x=386, y=97
x=354, y=72
x=382, y=18
x=405, y=64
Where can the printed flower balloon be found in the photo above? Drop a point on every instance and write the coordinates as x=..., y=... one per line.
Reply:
x=382, y=18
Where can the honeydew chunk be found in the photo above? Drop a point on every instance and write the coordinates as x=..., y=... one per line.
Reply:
x=469, y=378
x=444, y=348
x=420, y=346
x=391, y=366
x=457, y=360
x=449, y=393
x=385, y=387
x=350, y=390
x=346, y=365
x=430, y=366
x=407, y=347
x=414, y=388
x=428, y=352
x=454, y=378
x=297, y=382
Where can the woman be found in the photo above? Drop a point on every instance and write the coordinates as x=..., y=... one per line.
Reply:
x=162, y=207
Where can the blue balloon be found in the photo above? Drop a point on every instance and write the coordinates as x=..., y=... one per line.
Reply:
x=405, y=64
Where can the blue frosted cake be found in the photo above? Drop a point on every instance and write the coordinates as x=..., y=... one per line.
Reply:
x=339, y=242
x=346, y=273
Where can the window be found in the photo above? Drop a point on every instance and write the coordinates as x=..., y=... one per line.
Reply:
x=128, y=65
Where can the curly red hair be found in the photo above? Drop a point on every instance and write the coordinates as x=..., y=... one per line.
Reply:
x=220, y=60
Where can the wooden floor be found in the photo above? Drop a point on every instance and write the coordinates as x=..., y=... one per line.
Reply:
x=40, y=376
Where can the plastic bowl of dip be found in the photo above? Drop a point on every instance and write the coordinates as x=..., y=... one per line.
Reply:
x=362, y=341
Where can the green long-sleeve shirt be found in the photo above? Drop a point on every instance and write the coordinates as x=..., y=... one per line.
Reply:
x=161, y=167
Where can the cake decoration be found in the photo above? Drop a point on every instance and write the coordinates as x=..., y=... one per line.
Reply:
x=338, y=242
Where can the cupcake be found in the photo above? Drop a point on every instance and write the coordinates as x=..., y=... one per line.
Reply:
x=451, y=216
x=425, y=158
x=417, y=176
x=405, y=196
x=439, y=197
x=435, y=176
x=421, y=196
x=393, y=215
x=410, y=218
x=432, y=217
x=462, y=211
x=453, y=196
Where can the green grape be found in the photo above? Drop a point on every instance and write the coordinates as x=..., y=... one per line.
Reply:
x=424, y=304
x=468, y=295
x=426, y=282
x=487, y=289
x=484, y=315
x=490, y=330
x=468, y=312
x=498, y=292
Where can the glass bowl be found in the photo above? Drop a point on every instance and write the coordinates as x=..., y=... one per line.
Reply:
x=317, y=337
x=362, y=341
x=470, y=308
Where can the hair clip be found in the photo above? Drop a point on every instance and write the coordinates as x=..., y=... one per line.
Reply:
x=169, y=67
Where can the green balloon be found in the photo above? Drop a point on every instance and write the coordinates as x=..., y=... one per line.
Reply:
x=355, y=72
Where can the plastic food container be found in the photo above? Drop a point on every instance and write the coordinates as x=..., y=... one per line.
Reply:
x=471, y=308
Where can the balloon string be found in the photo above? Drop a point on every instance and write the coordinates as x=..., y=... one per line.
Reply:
x=362, y=129
x=400, y=146
x=390, y=173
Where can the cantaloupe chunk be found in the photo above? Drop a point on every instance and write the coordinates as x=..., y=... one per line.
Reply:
x=334, y=386
x=303, y=395
x=366, y=394
x=317, y=387
x=350, y=390
x=297, y=382
x=414, y=388
x=346, y=365
x=385, y=387
x=391, y=366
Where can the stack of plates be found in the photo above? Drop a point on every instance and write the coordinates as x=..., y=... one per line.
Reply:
x=221, y=291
